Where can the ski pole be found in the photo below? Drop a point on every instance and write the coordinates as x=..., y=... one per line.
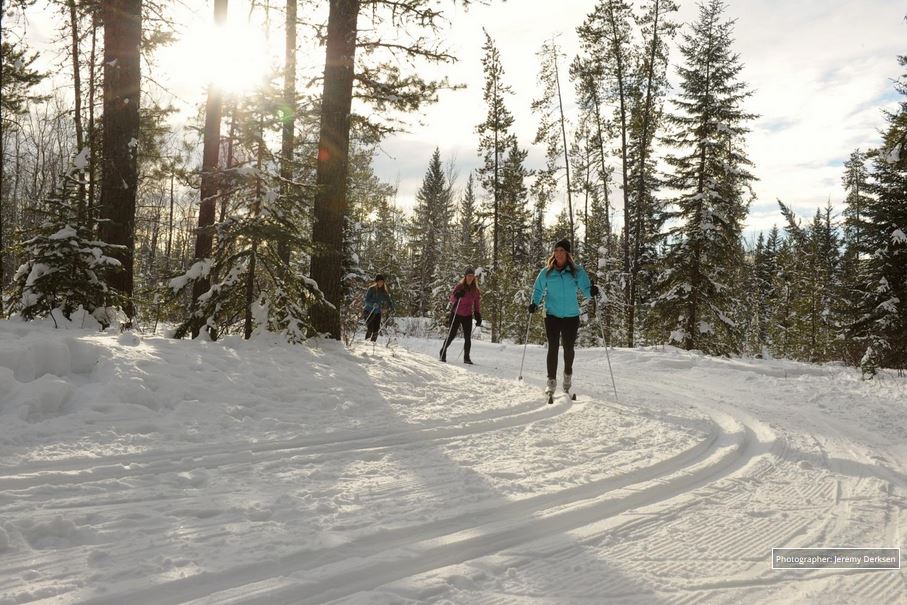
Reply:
x=525, y=343
x=385, y=327
x=453, y=318
x=372, y=312
x=601, y=324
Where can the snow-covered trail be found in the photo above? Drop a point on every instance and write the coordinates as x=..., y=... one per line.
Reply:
x=312, y=475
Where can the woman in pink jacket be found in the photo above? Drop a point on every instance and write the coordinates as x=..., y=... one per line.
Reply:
x=465, y=300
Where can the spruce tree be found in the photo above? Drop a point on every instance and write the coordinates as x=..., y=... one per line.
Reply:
x=431, y=219
x=515, y=266
x=883, y=323
x=67, y=267
x=470, y=225
x=711, y=175
x=856, y=188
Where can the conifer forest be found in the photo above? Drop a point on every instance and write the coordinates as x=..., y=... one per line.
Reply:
x=259, y=206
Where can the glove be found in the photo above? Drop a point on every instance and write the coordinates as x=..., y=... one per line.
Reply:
x=593, y=290
x=533, y=307
x=478, y=319
x=460, y=293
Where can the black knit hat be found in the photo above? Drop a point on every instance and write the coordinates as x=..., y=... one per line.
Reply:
x=469, y=271
x=379, y=277
x=564, y=243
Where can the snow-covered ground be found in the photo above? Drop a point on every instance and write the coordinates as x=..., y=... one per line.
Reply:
x=141, y=470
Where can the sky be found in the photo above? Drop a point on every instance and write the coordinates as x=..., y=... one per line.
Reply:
x=821, y=71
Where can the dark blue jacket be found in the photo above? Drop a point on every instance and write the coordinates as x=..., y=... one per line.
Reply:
x=375, y=299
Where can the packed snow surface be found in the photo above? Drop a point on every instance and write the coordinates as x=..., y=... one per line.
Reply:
x=141, y=470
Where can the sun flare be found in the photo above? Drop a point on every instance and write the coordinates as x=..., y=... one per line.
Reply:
x=234, y=56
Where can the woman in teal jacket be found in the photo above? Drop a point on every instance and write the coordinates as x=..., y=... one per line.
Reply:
x=559, y=282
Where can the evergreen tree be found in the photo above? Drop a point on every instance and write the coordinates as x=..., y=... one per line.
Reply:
x=883, y=323
x=250, y=287
x=697, y=295
x=552, y=130
x=856, y=188
x=494, y=141
x=66, y=266
x=122, y=100
x=16, y=64
x=515, y=266
x=894, y=144
x=647, y=91
x=763, y=294
x=431, y=219
x=607, y=67
x=371, y=61
x=470, y=241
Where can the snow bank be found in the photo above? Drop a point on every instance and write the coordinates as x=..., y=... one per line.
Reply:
x=139, y=469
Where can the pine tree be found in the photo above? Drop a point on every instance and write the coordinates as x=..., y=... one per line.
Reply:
x=856, y=187
x=66, y=266
x=356, y=56
x=515, y=264
x=249, y=285
x=494, y=141
x=19, y=77
x=697, y=294
x=470, y=241
x=607, y=67
x=646, y=94
x=431, y=218
x=552, y=130
x=883, y=323
x=122, y=77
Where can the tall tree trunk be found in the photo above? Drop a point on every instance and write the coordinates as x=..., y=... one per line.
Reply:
x=333, y=163
x=618, y=57
x=77, y=89
x=204, y=237
x=641, y=199
x=2, y=249
x=495, y=299
x=560, y=107
x=92, y=136
x=169, y=226
x=289, y=117
x=119, y=183
x=253, y=255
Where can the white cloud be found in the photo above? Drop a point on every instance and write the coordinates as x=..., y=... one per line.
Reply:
x=821, y=72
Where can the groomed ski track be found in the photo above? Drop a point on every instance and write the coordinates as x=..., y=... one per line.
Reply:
x=681, y=491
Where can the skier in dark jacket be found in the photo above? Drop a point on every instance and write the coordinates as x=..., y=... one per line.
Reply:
x=559, y=283
x=376, y=298
x=465, y=300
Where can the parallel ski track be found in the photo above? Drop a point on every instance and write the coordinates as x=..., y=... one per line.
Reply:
x=126, y=465
x=440, y=543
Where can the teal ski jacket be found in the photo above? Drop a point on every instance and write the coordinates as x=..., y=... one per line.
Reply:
x=559, y=287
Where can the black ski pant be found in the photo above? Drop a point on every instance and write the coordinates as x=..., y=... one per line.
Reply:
x=561, y=330
x=465, y=322
x=372, y=326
